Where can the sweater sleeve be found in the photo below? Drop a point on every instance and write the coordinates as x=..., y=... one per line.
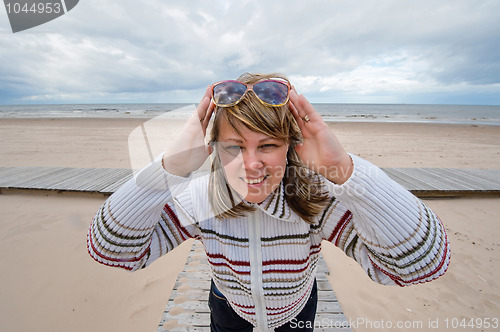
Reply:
x=391, y=233
x=139, y=222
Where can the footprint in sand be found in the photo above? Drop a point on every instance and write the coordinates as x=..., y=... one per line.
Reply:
x=180, y=299
x=194, y=263
x=184, y=288
x=176, y=311
x=170, y=325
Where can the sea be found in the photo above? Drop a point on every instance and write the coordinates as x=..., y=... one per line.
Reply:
x=406, y=113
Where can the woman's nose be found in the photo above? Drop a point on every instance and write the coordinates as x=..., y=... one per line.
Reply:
x=252, y=160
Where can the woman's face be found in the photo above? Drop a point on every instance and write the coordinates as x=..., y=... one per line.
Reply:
x=254, y=163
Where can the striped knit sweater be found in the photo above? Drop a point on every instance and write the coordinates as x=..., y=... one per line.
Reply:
x=265, y=262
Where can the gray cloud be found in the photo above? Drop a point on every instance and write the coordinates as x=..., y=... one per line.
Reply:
x=336, y=51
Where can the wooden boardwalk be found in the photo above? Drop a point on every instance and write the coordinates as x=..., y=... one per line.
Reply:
x=423, y=182
x=94, y=180
x=436, y=182
x=187, y=308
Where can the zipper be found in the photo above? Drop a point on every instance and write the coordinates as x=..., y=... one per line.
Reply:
x=255, y=247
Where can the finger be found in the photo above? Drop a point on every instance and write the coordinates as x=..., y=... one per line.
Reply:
x=309, y=110
x=204, y=105
x=202, y=108
x=294, y=111
x=208, y=92
x=294, y=104
x=208, y=115
x=300, y=116
x=303, y=105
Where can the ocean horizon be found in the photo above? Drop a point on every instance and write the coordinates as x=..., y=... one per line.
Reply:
x=403, y=113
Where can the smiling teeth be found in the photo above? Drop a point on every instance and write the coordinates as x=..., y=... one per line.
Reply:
x=254, y=181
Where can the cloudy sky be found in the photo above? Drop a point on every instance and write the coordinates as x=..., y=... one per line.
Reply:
x=383, y=51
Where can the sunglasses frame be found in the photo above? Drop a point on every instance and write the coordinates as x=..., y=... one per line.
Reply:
x=250, y=88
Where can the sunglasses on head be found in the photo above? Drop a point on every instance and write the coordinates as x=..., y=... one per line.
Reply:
x=270, y=92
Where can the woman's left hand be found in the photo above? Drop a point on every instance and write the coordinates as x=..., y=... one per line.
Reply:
x=320, y=150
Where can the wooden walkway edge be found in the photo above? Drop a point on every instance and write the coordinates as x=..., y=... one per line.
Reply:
x=423, y=182
x=93, y=180
x=187, y=309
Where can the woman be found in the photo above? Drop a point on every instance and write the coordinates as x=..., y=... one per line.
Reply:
x=279, y=185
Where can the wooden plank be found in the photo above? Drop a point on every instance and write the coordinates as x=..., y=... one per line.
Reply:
x=489, y=174
x=449, y=179
x=10, y=175
x=31, y=180
x=89, y=180
x=435, y=179
x=429, y=182
x=185, y=321
x=109, y=177
x=26, y=177
x=7, y=172
x=187, y=308
x=397, y=176
x=70, y=180
x=423, y=182
x=416, y=181
x=126, y=174
x=63, y=178
x=83, y=181
x=12, y=171
x=105, y=179
x=483, y=180
x=198, y=305
x=65, y=174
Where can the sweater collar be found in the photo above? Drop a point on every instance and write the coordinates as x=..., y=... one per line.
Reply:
x=276, y=206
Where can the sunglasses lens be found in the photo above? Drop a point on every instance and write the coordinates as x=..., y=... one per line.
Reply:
x=271, y=92
x=228, y=93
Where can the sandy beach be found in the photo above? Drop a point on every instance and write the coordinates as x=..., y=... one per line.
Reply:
x=50, y=283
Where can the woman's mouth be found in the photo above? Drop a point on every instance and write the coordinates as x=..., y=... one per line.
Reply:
x=253, y=181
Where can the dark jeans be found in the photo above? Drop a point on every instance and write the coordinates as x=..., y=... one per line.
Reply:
x=224, y=319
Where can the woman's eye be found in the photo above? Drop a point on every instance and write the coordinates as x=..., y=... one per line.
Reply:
x=233, y=149
x=268, y=146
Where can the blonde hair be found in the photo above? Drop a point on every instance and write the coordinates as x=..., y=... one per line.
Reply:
x=304, y=192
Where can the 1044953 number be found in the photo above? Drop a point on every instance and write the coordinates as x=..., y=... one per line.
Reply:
x=35, y=8
x=471, y=323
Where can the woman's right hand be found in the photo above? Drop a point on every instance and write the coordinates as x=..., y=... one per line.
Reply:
x=188, y=151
